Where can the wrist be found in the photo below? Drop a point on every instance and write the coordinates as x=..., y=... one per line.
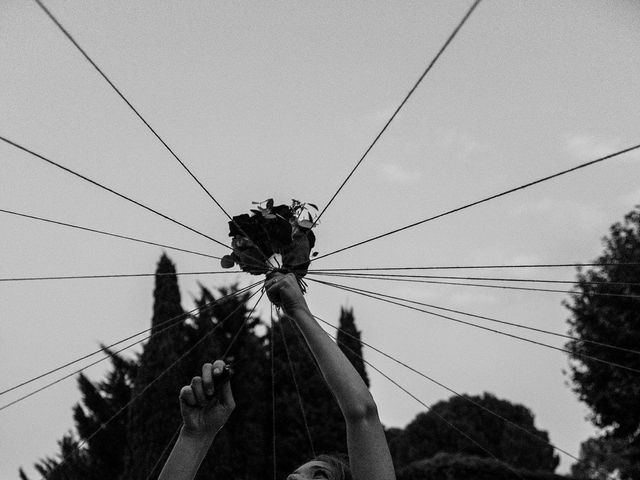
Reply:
x=297, y=308
x=198, y=435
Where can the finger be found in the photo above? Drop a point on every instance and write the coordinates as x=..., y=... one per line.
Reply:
x=187, y=397
x=207, y=379
x=273, y=279
x=218, y=367
x=198, y=391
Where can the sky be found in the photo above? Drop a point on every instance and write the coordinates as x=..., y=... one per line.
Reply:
x=280, y=100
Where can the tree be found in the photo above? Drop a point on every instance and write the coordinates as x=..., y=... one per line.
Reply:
x=299, y=385
x=154, y=415
x=612, y=393
x=104, y=410
x=134, y=444
x=349, y=342
x=97, y=451
x=433, y=432
x=71, y=463
x=460, y=467
x=601, y=459
x=227, y=330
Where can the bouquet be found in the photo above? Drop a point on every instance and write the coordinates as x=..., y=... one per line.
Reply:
x=273, y=237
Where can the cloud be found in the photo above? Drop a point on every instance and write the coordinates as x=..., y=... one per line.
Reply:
x=452, y=296
x=586, y=216
x=589, y=147
x=394, y=173
x=461, y=144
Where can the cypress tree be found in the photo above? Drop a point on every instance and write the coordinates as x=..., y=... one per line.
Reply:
x=154, y=416
x=349, y=342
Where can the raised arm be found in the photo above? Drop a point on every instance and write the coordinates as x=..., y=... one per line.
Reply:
x=205, y=405
x=369, y=455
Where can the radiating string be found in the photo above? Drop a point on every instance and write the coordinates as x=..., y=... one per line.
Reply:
x=490, y=319
x=484, y=279
x=432, y=410
x=110, y=190
x=480, y=285
x=110, y=234
x=175, y=435
x=440, y=384
x=295, y=383
x=273, y=396
x=483, y=200
x=470, y=267
x=499, y=332
x=121, y=95
x=413, y=89
x=169, y=323
x=165, y=450
x=183, y=356
x=115, y=275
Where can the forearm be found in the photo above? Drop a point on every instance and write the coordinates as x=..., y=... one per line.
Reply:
x=369, y=455
x=186, y=456
x=352, y=394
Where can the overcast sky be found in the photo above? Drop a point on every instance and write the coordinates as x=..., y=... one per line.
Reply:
x=280, y=100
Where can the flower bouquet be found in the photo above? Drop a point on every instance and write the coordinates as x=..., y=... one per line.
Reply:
x=273, y=237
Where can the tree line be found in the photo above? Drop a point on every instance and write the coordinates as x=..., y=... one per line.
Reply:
x=115, y=439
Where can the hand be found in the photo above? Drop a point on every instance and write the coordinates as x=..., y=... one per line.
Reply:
x=284, y=291
x=207, y=403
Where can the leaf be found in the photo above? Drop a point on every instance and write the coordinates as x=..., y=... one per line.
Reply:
x=313, y=205
x=227, y=262
x=270, y=203
x=305, y=223
x=314, y=254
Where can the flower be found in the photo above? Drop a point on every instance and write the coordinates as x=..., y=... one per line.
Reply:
x=270, y=230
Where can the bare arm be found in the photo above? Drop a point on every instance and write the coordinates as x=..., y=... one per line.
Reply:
x=204, y=413
x=369, y=455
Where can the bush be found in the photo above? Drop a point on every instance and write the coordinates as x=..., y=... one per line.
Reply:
x=447, y=466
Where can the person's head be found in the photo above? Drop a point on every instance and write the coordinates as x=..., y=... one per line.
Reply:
x=323, y=467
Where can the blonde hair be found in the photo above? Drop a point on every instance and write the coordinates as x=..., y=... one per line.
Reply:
x=339, y=463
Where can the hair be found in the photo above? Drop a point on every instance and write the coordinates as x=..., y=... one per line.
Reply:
x=340, y=464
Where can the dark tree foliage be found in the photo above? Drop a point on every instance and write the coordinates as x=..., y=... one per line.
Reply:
x=100, y=421
x=428, y=434
x=460, y=467
x=104, y=410
x=294, y=360
x=600, y=458
x=349, y=342
x=71, y=463
x=130, y=446
x=226, y=331
x=612, y=394
x=154, y=416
